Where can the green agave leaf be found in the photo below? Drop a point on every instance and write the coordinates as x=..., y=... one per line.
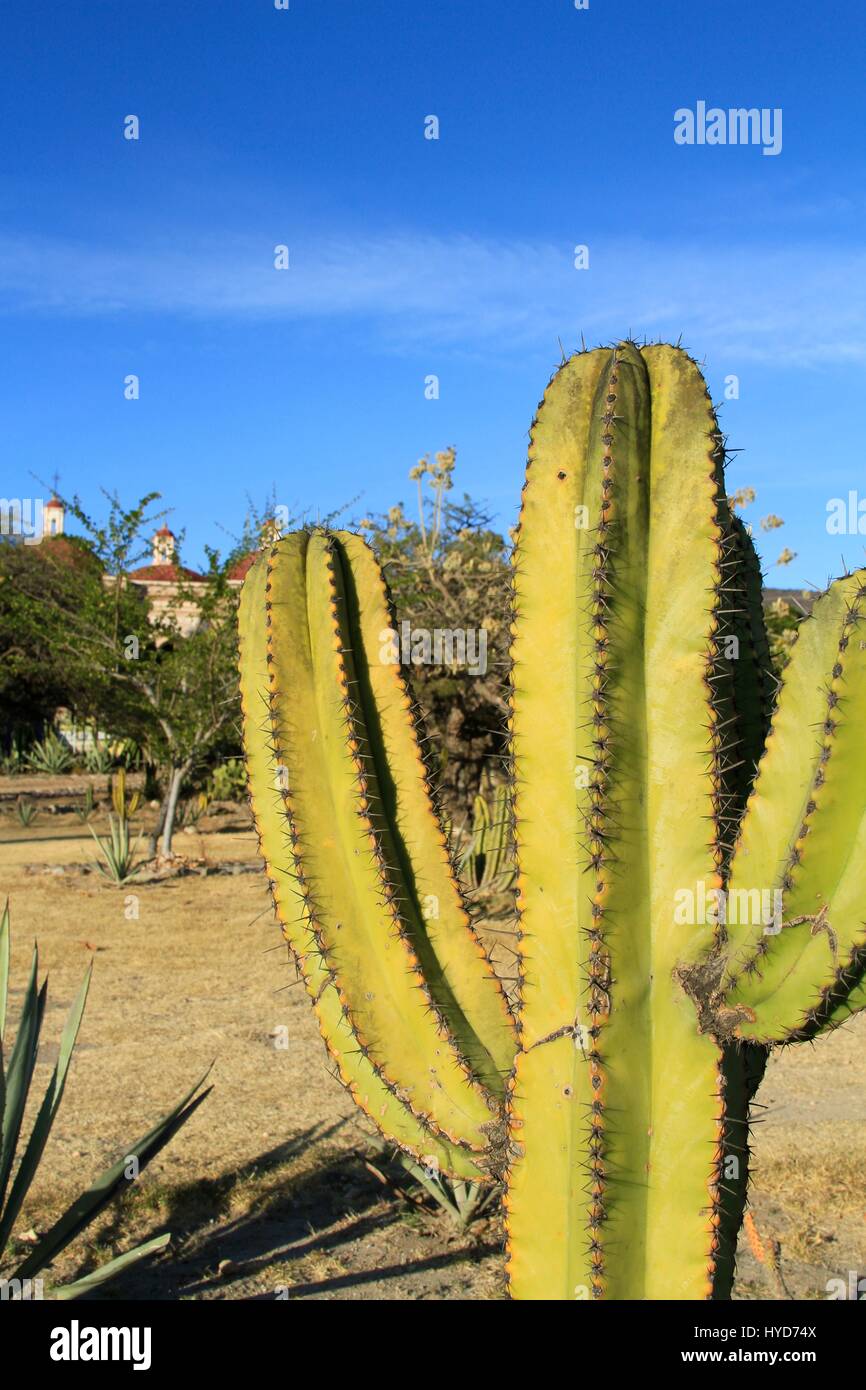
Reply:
x=4, y=970
x=45, y=1119
x=88, y=1206
x=20, y=1073
x=88, y=1282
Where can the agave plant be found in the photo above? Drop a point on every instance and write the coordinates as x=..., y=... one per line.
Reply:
x=26, y=811
x=118, y=854
x=17, y=1170
x=87, y=807
x=690, y=850
x=51, y=754
x=98, y=760
x=462, y=1202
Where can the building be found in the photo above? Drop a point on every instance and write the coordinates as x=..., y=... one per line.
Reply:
x=161, y=580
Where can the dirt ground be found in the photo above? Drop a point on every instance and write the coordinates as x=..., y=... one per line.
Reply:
x=267, y=1190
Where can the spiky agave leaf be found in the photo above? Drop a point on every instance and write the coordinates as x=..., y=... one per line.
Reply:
x=15, y=1083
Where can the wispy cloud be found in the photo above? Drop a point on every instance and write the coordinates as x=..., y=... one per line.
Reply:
x=804, y=304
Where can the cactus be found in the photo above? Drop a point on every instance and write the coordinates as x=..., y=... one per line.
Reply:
x=661, y=797
x=125, y=806
x=486, y=861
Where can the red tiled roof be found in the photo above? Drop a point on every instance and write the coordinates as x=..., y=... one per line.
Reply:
x=167, y=574
x=54, y=502
x=243, y=566
x=68, y=550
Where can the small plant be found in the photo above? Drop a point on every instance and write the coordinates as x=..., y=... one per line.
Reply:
x=190, y=811
x=98, y=760
x=16, y=1079
x=462, y=1202
x=228, y=781
x=26, y=812
x=118, y=854
x=52, y=755
x=124, y=807
x=14, y=762
x=87, y=807
x=768, y=1253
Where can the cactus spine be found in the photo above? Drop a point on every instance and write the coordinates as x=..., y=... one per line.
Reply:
x=641, y=697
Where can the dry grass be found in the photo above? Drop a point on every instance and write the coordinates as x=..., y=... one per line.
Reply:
x=269, y=1176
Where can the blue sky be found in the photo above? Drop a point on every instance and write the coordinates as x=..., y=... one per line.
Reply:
x=411, y=257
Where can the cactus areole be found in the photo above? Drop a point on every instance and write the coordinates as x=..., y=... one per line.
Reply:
x=690, y=844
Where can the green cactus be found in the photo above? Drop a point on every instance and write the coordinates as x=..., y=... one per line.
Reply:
x=687, y=869
x=486, y=860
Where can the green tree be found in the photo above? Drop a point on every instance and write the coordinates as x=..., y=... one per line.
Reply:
x=165, y=680
x=448, y=570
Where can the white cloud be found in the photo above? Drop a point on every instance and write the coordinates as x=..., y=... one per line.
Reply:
x=805, y=305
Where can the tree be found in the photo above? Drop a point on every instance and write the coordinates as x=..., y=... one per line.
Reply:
x=171, y=686
x=448, y=572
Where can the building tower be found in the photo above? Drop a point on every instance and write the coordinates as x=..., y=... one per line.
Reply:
x=53, y=515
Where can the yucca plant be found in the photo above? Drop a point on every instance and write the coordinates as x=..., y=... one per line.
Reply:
x=51, y=754
x=117, y=852
x=26, y=811
x=690, y=850
x=18, y=1169
x=98, y=760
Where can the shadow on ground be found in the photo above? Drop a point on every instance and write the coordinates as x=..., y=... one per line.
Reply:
x=301, y=1221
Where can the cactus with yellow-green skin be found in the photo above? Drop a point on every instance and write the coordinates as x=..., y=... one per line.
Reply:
x=650, y=770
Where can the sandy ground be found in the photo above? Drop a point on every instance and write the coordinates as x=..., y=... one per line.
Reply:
x=267, y=1190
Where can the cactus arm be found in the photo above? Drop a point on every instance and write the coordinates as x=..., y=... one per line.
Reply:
x=451, y=956
x=805, y=831
x=356, y=1071
x=552, y=660
x=616, y=1150
x=321, y=739
x=846, y=1001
